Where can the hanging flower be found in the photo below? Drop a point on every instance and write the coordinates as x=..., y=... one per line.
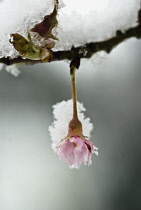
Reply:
x=72, y=148
x=76, y=151
x=67, y=130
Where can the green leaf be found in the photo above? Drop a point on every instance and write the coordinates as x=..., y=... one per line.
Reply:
x=29, y=50
x=25, y=48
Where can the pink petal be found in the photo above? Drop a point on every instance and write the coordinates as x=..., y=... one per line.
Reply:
x=78, y=142
x=81, y=156
x=66, y=153
x=76, y=151
x=89, y=145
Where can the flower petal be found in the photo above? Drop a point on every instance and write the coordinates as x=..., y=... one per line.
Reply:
x=78, y=142
x=81, y=156
x=66, y=153
x=75, y=151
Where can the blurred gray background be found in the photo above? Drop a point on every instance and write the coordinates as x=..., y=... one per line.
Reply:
x=31, y=176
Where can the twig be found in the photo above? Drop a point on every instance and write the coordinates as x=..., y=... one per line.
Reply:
x=85, y=51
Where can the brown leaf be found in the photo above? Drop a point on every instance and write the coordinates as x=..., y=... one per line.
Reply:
x=44, y=28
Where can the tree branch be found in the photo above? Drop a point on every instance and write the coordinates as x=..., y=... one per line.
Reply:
x=87, y=50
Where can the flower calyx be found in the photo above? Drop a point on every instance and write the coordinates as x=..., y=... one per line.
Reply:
x=75, y=127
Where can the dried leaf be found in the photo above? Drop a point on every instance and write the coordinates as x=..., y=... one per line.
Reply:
x=27, y=49
x=44, y=28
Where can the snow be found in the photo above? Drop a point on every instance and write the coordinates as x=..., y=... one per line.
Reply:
x=80, y=21
x=18, y=16
x=62, y=113
x=94, y=20
x=13, y=69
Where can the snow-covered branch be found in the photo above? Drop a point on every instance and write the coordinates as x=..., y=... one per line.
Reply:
x=85, y=51
x=65, y=35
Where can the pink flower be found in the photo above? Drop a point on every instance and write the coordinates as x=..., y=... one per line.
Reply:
x=75, y=151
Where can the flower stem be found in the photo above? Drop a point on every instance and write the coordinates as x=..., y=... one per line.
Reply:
x=75, y=126
x=74, y=96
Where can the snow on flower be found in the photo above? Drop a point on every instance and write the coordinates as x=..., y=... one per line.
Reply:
x=75, y=149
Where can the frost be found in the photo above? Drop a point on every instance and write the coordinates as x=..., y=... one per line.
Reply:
x=13, y=70
x=79, y=21
x=62, y=115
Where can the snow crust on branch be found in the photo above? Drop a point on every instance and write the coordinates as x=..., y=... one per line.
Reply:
x=79, y=22
x=82, y=21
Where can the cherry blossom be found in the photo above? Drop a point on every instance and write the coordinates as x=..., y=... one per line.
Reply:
x=76, y=151
x=73, y=146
